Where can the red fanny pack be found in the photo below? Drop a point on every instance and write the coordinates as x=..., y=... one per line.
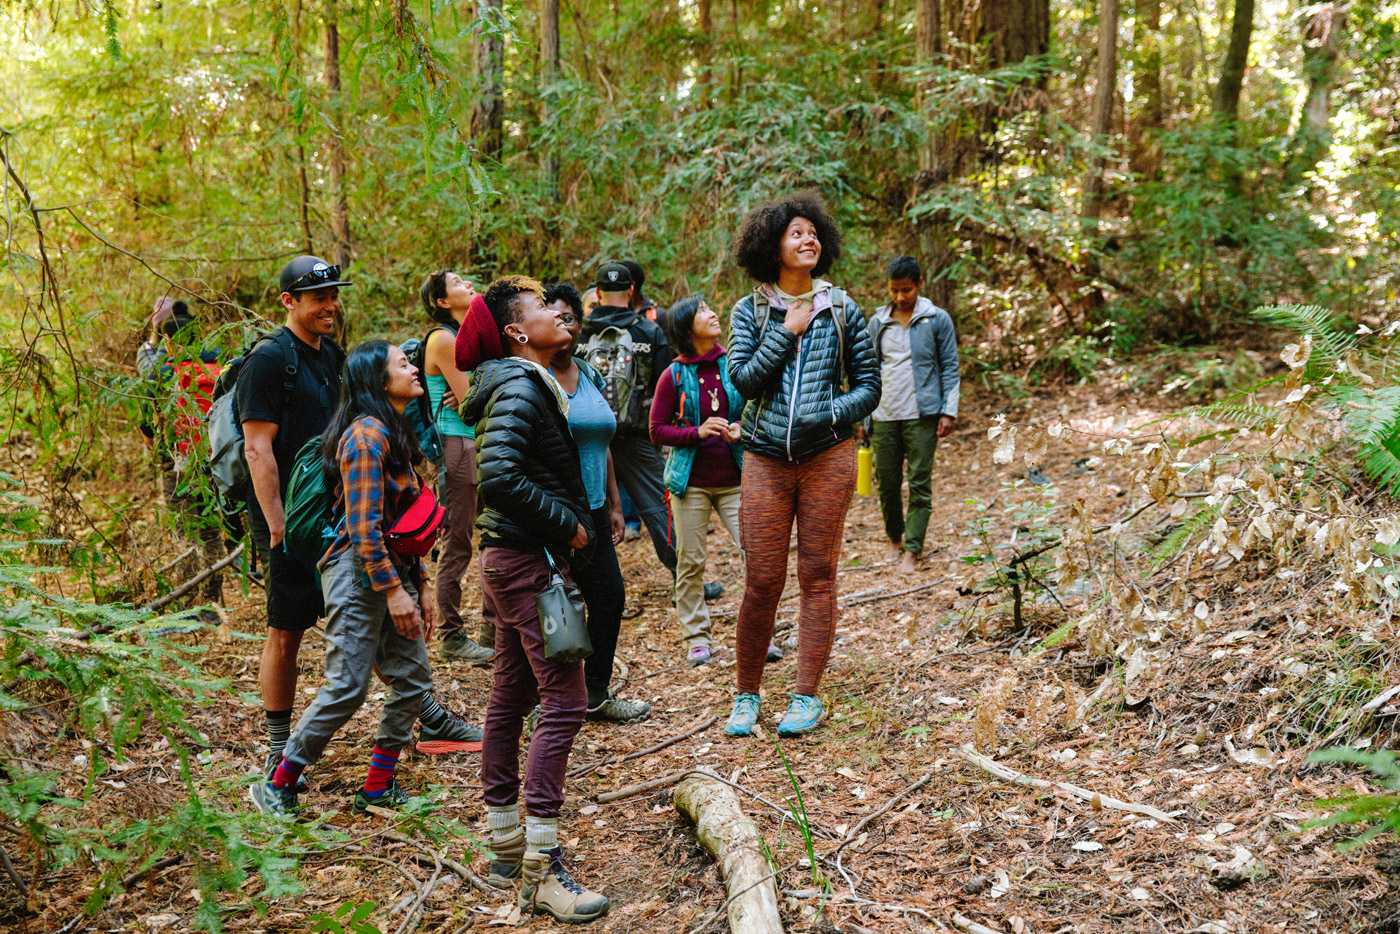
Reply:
x=416, y=531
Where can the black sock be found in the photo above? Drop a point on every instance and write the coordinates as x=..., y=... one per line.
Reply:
x=279, y=728
x=432, y=715
x=597, y=695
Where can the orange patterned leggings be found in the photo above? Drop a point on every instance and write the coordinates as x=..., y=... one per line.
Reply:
x=817, y=492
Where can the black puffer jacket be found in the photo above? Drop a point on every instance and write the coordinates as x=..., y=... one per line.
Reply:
x=527, y=466
x=793, y=423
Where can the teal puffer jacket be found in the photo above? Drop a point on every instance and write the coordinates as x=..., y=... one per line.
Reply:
x=805, y=393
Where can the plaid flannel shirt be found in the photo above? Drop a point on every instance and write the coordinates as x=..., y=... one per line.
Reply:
x=371, y=499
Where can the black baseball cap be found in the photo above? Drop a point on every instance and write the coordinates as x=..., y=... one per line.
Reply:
x=614, y=277
x=310, y=272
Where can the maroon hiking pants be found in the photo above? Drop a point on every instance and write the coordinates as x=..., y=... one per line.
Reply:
x=510, y=581
x=817, y=491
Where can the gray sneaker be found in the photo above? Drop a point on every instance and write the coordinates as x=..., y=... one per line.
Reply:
x=463, y=647
x=269, y=799
x=617, y=710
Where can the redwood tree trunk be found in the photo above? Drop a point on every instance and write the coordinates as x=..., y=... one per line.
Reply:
x=488, y=116
x=1226, y=103
x=1107, y=81
x=340, y=202
x=1147, y=86
x=1322, y=35
x=549, y=74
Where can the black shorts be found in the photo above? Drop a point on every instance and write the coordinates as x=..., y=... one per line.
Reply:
x=294, y=601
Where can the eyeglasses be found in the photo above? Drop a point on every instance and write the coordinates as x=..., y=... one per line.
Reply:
x=318, y=273
x=569, y=317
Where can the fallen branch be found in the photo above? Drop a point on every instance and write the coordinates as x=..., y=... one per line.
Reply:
x=462, y=871
x=733, y=839
x=989, y=764
x=889, y=805
x=167, y=568
x=608, y=797
x=856, y=899
x=195, y=581
x=597, y=764
x=411, y=919
x=968, y=926
x=887, y=596
x=14, y=875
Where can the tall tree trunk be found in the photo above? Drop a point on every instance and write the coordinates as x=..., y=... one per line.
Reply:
x=1226, y=103
x=488, y=116
x=1147, y=87
x=1104, y=94
x=705, y=26
x=1322, y=36
x=304, y=199
x=935, y=233
x=340, y=201
x=549, y=74
x=1012, y=30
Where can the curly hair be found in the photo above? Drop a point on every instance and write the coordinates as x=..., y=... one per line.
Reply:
x=501, y=295
x=756, y=249
x=564, y=292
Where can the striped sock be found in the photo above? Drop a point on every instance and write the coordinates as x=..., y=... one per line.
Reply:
x=432, y=715
x=287, y=774
x=381, y=771
x=279, y=728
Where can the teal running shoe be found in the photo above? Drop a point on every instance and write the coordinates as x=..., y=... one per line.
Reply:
x=745, y=715
x=803, y=715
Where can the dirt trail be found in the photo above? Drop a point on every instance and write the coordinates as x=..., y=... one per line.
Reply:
x=905, y=679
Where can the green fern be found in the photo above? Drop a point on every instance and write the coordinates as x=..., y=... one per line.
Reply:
x=1245, y=414
x=1193, y=525
x=1330, y=342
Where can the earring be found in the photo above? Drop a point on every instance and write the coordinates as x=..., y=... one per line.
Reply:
x=522, y=338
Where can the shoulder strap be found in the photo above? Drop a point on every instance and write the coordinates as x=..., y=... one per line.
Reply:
x=838, y=317
x=761, y=311
x=284, y=339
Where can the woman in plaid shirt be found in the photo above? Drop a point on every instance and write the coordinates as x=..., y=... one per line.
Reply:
x=374, y=613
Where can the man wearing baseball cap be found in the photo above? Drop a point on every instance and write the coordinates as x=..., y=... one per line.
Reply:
x=287, y=390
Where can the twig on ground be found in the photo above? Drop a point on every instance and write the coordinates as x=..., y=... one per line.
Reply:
x=167, y=568
x=157, y=866
x=887, y=596
x=989, y=764
x=462, y=871
x=195, y=581
x=14, y=875
x=597, y=764
x=410, y=919
x=889, y=805
x=610, y=797
x=856, y=899
x=968, y=926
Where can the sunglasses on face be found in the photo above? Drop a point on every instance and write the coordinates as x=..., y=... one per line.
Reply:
x=318, y=273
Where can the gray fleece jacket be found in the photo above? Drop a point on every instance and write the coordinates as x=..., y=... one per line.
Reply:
x=934, y=347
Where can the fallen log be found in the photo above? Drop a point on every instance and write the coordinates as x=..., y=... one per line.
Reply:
x=724, y=830
x=195, y=581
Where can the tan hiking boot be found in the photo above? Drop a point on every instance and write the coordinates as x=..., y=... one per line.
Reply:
x=547, y=888
x=507, y=852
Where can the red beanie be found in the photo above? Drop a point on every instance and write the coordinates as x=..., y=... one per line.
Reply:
x=478, y=339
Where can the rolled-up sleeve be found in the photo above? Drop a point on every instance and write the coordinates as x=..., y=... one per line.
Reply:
x=362, y=474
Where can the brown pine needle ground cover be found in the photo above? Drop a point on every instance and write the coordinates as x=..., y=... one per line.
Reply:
x=1216, y=740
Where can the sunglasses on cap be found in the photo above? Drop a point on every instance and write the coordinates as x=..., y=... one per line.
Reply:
x=321, y=272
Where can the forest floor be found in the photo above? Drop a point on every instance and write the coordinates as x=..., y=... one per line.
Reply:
x=905, y=679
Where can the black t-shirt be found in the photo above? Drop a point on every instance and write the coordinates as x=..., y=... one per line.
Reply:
x=306, y=413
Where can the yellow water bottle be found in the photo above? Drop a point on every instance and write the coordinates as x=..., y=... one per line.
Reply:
x=865, y=470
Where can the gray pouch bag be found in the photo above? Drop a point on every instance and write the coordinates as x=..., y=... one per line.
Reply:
x=562, y=620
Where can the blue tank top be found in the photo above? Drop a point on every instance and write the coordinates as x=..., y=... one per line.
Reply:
x=592, y=424
x=449, y=423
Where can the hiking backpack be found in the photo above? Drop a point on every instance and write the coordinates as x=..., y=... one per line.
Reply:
x=420, y=415
x=310, y=505
x=762, y=311
x=227, y=466
x=611, y=352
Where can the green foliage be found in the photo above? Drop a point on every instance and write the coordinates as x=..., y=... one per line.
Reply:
x=349, y=918
x=1378, y=812
x=797, y=810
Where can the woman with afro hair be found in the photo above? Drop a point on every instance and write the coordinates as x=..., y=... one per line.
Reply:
x=800, y=353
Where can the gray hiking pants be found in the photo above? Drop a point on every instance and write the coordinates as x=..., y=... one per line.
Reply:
x=359, y=635
x=640, y=470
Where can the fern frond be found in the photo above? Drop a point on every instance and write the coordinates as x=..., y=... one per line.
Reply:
x=1245, y=414
x=1193, y=525
x=1381, y=462
x=1330, y=342
x=1368, y=415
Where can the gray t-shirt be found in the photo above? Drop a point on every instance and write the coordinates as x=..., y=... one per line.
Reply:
x=899, y=401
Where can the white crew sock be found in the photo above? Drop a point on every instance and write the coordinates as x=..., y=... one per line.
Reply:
x=502, y=819
x=541, y=833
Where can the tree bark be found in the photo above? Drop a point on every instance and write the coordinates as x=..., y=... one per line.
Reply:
x=1147, y=87
x=340, y=201
x=1226, y=103
x=549, y=74
x=1322, y=36
x=488, y=116
x=1104, y=93
x=304, y=198
x=705, y=26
